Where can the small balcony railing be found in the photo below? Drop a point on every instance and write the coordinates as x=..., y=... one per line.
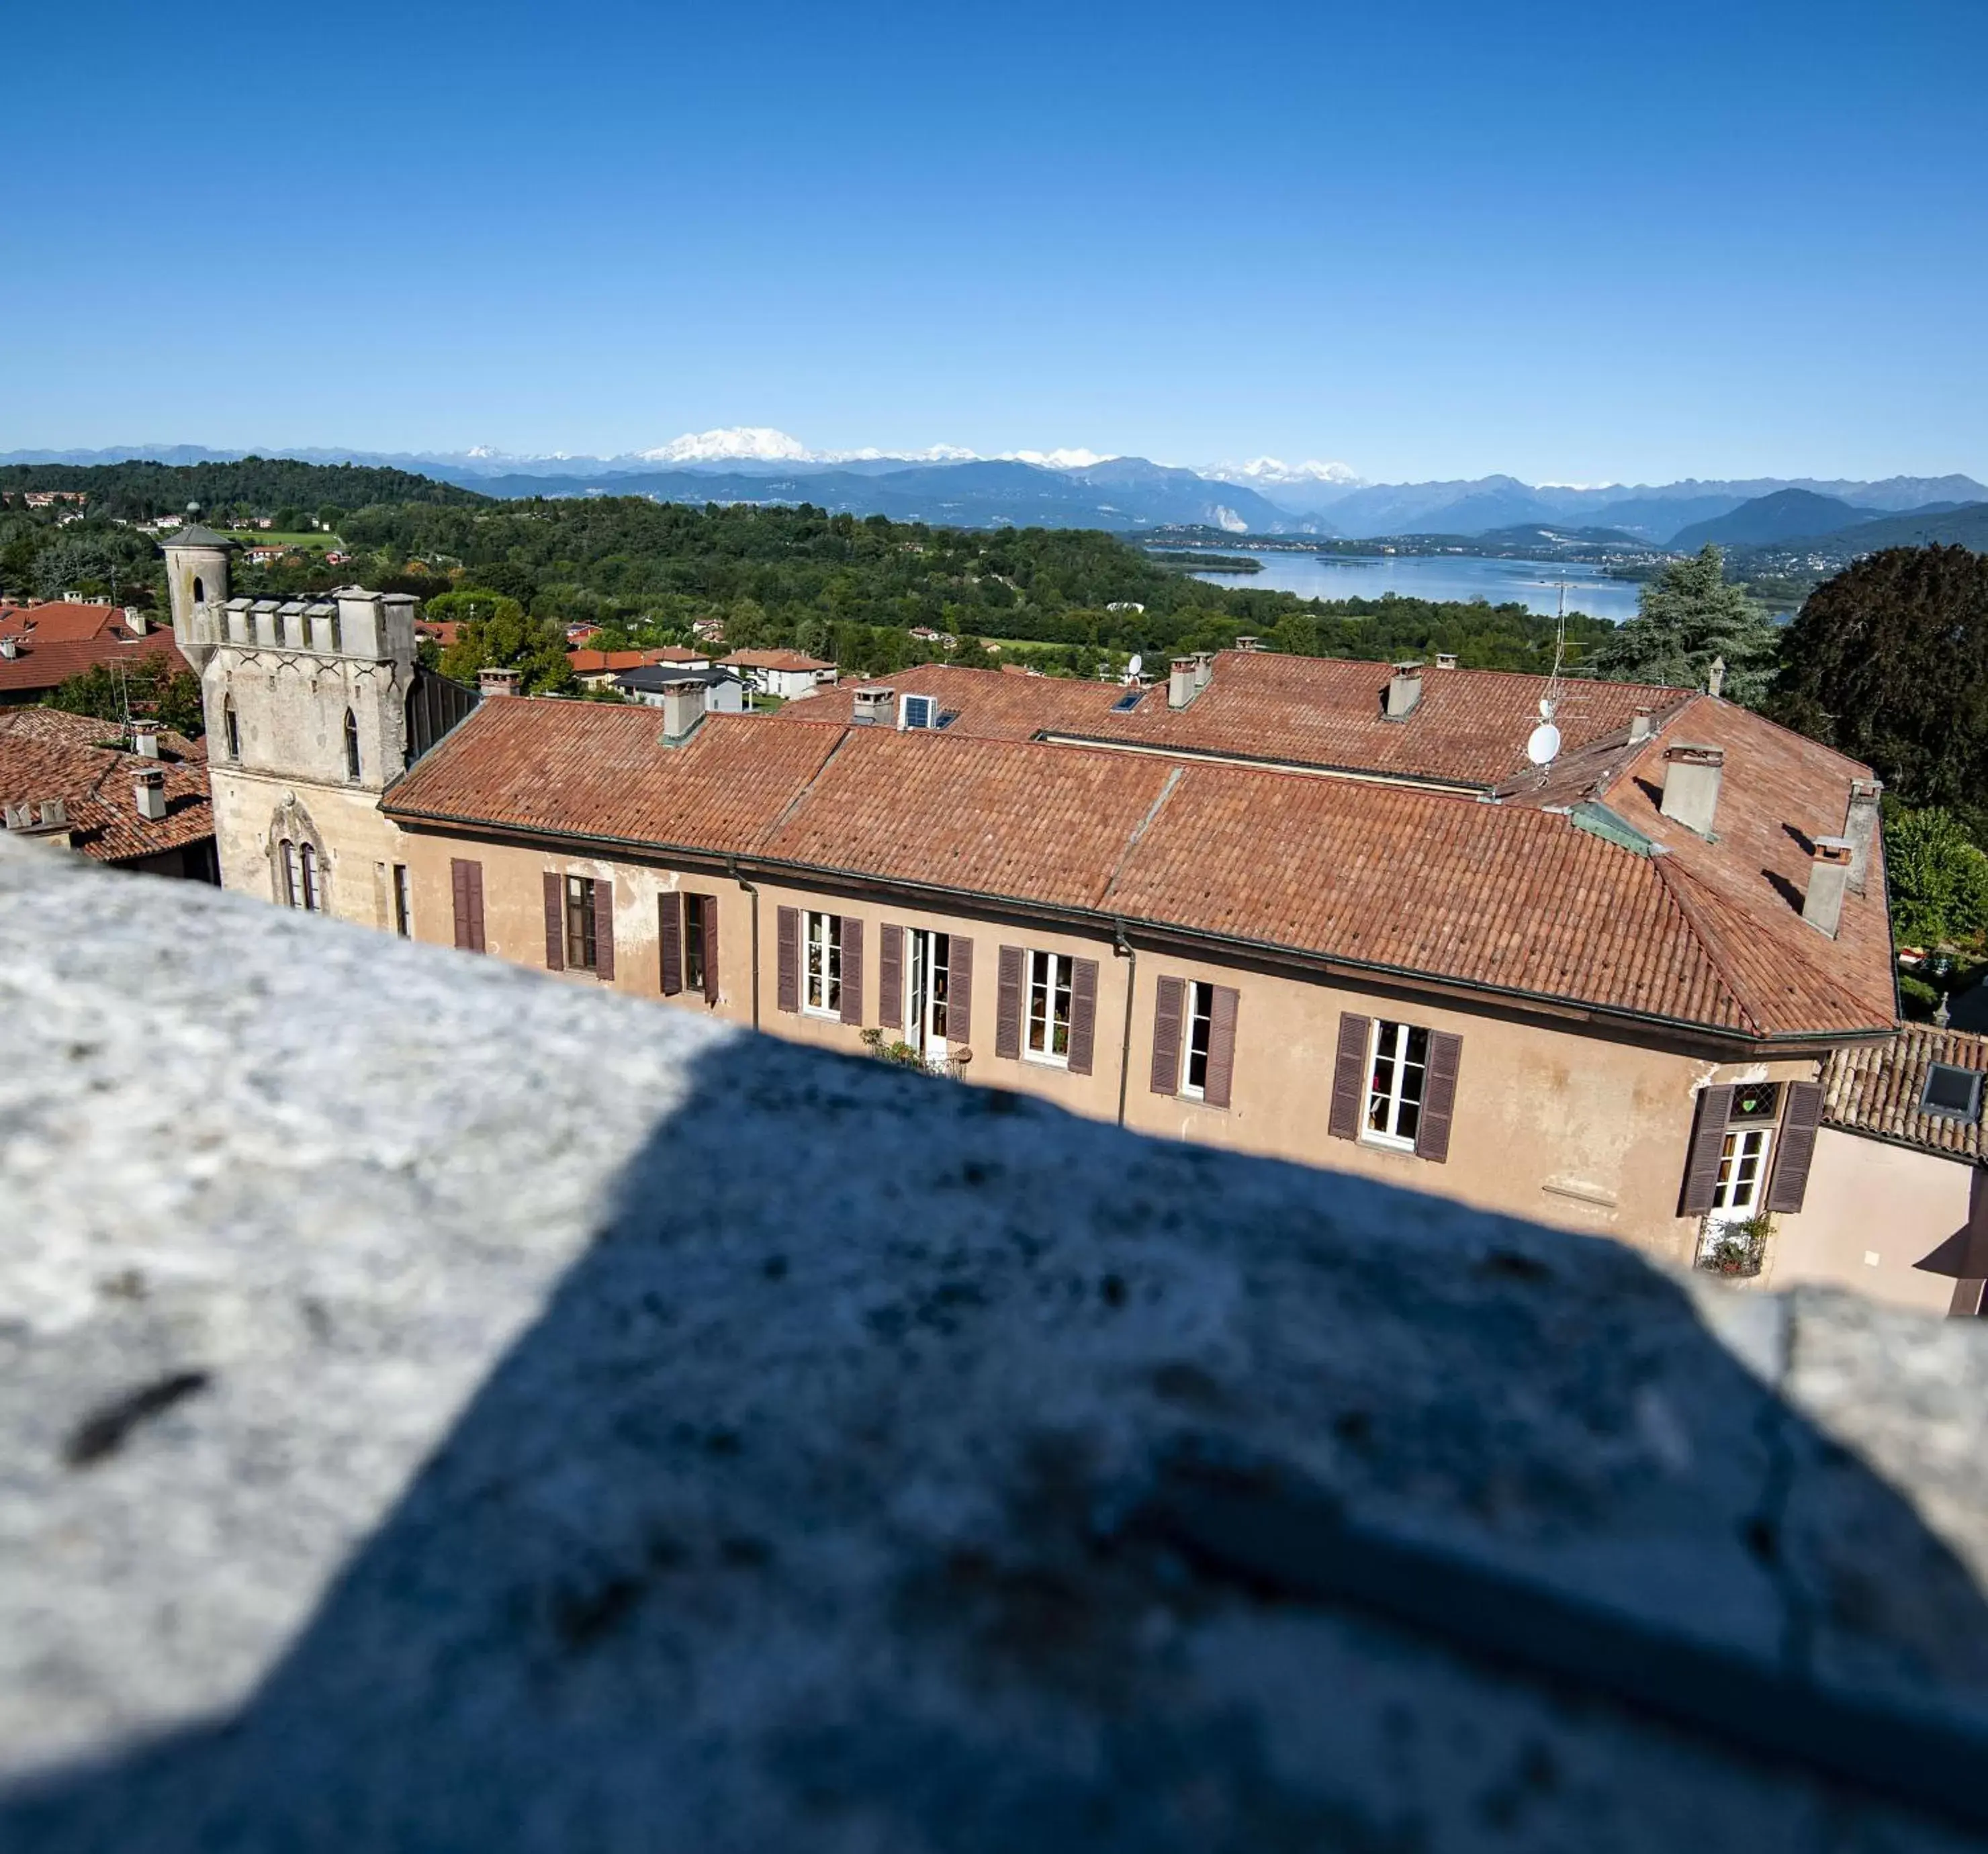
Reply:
x=1735, y=1248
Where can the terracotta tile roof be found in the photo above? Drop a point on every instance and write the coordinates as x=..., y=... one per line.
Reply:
x=1506, y=896
x=593, y=663
x=46, y=664
x=1875, y=1089
x=593, y=769
x=1468, y=729
x=63, y=620
x=773, y=660
x=45, y=754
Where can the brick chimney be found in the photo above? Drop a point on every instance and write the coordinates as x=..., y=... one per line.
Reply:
x=1829, y=869
x=496, y=682
x=149, y=788
x=1860, y=827
x=1692, y=777
x=1404, y=691
x=683, y=708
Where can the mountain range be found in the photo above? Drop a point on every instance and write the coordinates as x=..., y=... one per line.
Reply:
x=1080, y=488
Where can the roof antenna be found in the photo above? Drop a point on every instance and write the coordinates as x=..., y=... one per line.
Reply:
x=1543, y=743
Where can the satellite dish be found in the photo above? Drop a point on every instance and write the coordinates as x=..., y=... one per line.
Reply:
x=1137, y=664
x=1543, y=744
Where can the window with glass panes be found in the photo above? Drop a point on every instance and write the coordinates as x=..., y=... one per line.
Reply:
x=403, y=906
x=927, y=971
x=693, y=943
x=582, y=951
x=1199, y=1039
x=1049, y=976
x=822, y=976
x=1742, y=1183
x=1397, y=1074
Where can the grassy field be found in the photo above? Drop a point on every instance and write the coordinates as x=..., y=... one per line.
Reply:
x=264, y=537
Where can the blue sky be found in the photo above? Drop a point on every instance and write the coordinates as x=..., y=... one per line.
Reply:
x=1579, y=243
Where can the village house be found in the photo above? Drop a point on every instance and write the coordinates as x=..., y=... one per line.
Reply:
x=787, y=675
x=1322, y=910
x=710, y=691
x=134, y=799
x=599, y=669
x=43, y=646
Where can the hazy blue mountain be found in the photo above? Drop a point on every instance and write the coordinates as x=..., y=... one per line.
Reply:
x=1126, y=496
x=1965, y=524
x=1782, y=516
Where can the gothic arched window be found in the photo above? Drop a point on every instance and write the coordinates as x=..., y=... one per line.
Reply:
x=232, y=726
x=313, y=897
x=199, y=591
x=286, y=856
x=351, y=744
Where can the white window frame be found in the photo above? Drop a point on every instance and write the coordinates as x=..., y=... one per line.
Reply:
x=579, y=921
x=821, y=963
x=928, y=706
x=1746, y=1156
x=1198, y=1015
x=1393, y=1042
x=1050, y=975
x=924, y=1008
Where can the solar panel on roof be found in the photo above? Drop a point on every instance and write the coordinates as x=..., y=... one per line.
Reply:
x=1951, y=1093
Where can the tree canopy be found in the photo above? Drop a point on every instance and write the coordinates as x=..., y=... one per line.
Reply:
x=498, y=634
x=149, y=685
x=1685, y=618
x=1889, y=663
x=1938, y=878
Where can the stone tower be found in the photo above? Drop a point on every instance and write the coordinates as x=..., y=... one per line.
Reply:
x=196, y=575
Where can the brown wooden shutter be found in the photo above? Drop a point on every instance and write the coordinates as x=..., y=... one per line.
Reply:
x=1008, y=1006
x=1708, y=1137
x=1445, y=1055
x=959, y=990
x=555, y=921
x=708, y=907
x=1169, y=1009
x=852, y=970
x=787, y=991
x=1800, y=1119
x=890, y=978
x=669, y=926
x=1221, y=1046
x=465, y=880
x=1083, y=1013
x=1349, y=1076
x=603, y=928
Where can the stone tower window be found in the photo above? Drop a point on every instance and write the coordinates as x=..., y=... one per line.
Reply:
x=232, y=726
x=199, y=591
x=351, y=745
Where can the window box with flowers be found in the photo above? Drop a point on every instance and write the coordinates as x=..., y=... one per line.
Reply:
x=1735, y=1248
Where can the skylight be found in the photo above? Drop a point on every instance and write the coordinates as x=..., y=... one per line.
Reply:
x=1951, y=1093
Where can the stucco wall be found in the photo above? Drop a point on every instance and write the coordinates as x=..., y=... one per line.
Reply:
x=1556, y=1123
x=1873, y=1211
x=357, y=842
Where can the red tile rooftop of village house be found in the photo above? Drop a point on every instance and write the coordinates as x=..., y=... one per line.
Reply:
x=772, y=660
x=1469, y=727
x=1510, y=897
x=586, y=663
x=45, y=754
x=63, y=620
x=41, y=664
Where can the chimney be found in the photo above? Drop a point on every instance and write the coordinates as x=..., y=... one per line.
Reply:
x=1828, y=876
x=1404, y=691
x=10, y=648
x=1715, y=678
x=1445, y=660
x=1180, y=682
x=136, y=622
x=1249, y=643
x=1692, y=776
x=149, y=788
x=55, y=811
x=145, y=739
x=875, y=708
x=683, y=708
x=1204, y=667
x=496, y=682
x=1860, y=826
x=1642, y=724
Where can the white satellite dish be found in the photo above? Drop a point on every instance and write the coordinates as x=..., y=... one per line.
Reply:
x=1137, y=664
x=1543, y=744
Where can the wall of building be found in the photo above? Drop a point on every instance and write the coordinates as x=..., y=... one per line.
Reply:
x=1873, y=1211
x=1560, y=1125
x=357, y=844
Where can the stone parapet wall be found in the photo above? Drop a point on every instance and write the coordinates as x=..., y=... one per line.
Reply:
x=442, y=1406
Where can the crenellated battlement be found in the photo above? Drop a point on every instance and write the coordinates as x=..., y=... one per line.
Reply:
x=377, y=627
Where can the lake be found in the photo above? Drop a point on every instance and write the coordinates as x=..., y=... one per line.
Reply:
x=1533, y=583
